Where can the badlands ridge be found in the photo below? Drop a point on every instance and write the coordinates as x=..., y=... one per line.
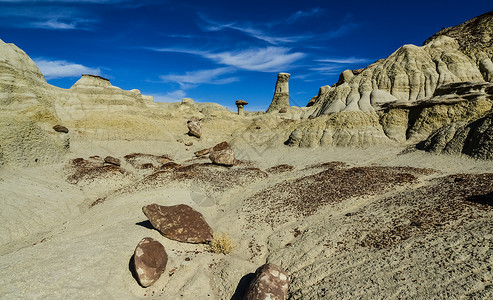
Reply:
x=381, y=187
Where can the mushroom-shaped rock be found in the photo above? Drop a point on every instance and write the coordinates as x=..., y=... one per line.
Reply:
x=112, y=160
x=150, y=259
x=202, y=152
x=194, y=128
x=222, y=154
x=60, y=128
x=269, y=282
x=240, y=104
x=179, y=222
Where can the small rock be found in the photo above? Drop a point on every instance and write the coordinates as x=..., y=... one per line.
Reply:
x=186, y=101
x=202, y=152
x=188, y=144
x=194, y=128
x=269, y=282
x=179, y=222
x=112, y=160
x=60, y=128
x=283, y=110
x=150, y=259
x=222, y=154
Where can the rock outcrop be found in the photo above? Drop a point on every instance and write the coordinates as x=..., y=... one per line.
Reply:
x=407, y=96
x=281, y=94
x=457, y=54
x=474, y=138
x=112, y=160
x=194, y=128
x=149, y=261
x=179, y=222
x=270, y=282
x=27, y=116
x=222, y=154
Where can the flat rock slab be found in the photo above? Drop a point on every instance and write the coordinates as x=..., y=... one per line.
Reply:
x=112, y=160
x=222, y=154
x=179, y=222
x=270, y=282
x=150, y=259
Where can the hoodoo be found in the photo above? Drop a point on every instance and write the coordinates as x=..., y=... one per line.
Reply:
x=281, y=94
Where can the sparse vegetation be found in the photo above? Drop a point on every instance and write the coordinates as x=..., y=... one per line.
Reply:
x=222, y=243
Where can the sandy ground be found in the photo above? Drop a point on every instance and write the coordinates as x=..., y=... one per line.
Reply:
x=58, y=241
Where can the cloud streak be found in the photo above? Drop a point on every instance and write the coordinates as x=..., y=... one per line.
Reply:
x=249, y=30
x=190, y=79
x=173, y=96
x=304, y=14
x=268, y=59
x=53, y=69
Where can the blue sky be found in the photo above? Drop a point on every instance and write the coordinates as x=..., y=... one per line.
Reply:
x=219, y=51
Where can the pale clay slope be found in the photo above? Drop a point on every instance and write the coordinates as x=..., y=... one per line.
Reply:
x=87, y=253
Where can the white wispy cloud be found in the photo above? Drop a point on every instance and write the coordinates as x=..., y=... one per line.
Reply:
x=189, y=79
x=251, y=31
x=304, y=14
x=173, y=96
x=53, y=69
x=347, y=60
x=268, y=59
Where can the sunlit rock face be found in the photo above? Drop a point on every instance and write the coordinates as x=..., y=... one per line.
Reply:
x=27, y=116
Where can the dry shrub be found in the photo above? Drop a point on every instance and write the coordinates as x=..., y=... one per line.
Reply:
x=222, y=243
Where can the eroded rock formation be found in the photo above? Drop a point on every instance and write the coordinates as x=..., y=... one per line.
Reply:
x=281, y=94
x=457, y=54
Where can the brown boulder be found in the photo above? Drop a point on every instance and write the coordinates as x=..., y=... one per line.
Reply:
x=269, y=282
x=179, y=222
x=202, y=152
x=60, y=128
x=112, y=160
x=149, y=261
x=194, y=128
x=283, y=110
x=222, y=154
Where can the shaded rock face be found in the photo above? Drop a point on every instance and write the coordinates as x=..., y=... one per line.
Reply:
x=194, y=128
x=281, y=94
x=457, y=54
x=474, y=139
x=150, y=259
x=179, y=222
x=270, y=282
x=222, y=154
